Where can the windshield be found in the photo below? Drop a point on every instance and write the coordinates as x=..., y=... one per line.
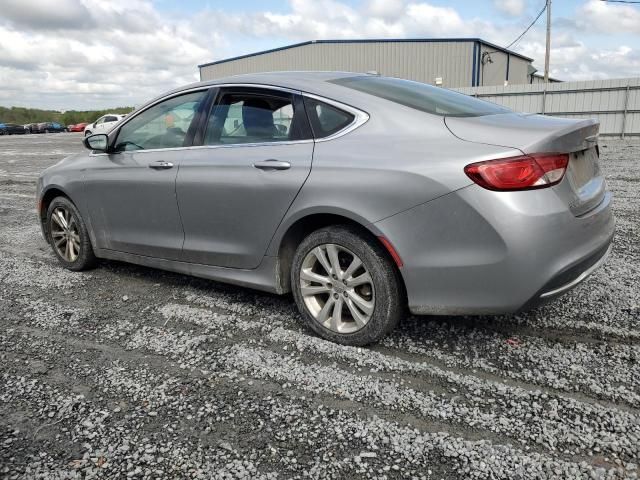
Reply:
x=435, y=100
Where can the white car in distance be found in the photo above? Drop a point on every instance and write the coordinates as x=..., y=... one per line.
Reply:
x=103, y=124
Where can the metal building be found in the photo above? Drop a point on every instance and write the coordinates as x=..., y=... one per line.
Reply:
x=452, y=63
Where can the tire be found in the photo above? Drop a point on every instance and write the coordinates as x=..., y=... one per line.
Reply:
x=87, y=133
x=383, y=295
x=76, y=234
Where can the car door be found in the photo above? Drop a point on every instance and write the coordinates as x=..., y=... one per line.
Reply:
x=256, y=155
x=131, y=192
x=109, y=122
x=98, y=125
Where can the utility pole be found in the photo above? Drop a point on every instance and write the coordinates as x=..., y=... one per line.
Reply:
x=546, y=57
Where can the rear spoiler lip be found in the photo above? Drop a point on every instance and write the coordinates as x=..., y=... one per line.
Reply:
x=581, y=135
x=574, y=136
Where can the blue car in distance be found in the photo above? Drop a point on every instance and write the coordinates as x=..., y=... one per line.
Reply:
x=48, y=127
x=11, y=129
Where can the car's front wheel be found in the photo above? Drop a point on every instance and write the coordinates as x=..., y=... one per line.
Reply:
x=87, y=133
x=346, y=287
x=68, y=235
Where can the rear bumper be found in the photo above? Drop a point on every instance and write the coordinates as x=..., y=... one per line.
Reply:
x=479, y=252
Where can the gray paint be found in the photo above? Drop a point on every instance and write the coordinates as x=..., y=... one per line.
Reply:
x=216, y=187
x=423, y=61
x=400, y=174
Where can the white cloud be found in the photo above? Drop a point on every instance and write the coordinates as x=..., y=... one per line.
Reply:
x=514, y=8
x=68, y=14
x=606, y=17
x=444, y=21
x=385, y=9
x=97, y=53
x=133, y=55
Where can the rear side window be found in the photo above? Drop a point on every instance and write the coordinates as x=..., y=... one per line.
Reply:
x=326, y=119
x=249, y=117
x=111, y=119
x=423, y=97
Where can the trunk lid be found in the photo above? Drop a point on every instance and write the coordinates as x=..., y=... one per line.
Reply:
x=584, y=186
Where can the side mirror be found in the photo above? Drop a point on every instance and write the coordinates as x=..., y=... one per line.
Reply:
x=98, y=142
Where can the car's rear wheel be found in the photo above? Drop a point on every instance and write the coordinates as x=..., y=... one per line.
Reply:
x=68, y=235
x=346, y=287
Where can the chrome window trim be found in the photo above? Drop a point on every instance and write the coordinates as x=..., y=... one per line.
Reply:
x=360, y=117
x=134, y=114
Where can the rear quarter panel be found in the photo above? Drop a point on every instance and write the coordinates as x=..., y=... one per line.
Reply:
x=399, y=159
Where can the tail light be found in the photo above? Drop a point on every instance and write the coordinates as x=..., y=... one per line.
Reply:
x=525, y=172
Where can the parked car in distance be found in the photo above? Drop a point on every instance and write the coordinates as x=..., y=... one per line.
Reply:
x=78, y=127
x=48, y=127
x=11, y=129
x=363, y=195
x=103, y=124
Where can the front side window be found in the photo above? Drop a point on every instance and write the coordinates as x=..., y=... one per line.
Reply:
x=251, y=118
x=100, y=120
x=423, y=97
x=164, y=125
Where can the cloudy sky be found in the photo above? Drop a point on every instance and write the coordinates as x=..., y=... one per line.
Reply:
x=85, y=54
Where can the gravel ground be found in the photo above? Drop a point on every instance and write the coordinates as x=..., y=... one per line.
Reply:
x=126, y=371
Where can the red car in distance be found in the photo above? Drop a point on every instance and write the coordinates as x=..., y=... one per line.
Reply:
x=78, y=127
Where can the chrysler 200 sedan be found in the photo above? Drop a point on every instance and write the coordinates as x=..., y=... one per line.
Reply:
x=362, y=195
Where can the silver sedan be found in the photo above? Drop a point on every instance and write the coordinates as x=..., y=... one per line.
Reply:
x=362, y=195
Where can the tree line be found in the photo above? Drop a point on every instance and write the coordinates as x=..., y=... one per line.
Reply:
x=22, y=116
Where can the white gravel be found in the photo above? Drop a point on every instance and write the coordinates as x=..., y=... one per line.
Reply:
x=129, y=372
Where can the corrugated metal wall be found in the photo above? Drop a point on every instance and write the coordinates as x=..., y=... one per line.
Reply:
x=421, y=61
x=494, y=72
x=615, y=103
x=412, y=60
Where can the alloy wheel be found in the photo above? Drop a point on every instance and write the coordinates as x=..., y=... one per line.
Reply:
x=337, y=288
x=65, y=234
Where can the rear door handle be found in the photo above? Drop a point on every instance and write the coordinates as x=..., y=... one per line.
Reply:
x=161, y=165
x=272, y=165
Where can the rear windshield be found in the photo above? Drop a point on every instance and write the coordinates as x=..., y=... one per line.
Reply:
x=421, y=96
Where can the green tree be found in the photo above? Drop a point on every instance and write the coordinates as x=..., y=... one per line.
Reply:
x=22, y=115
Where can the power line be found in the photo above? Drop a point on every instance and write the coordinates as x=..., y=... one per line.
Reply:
x=529, y=27
x=620, y=1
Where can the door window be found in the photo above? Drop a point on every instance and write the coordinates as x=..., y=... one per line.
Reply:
x=165, y=125
x=111, y=119
x=239, y=118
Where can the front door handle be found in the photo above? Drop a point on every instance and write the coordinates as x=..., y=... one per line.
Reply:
x=161, y=165
x=272, y=165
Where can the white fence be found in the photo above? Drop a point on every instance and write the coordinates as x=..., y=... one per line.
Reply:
x=615, y=103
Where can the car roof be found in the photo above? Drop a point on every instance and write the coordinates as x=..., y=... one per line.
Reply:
x=297, y=80
x=306, y=81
